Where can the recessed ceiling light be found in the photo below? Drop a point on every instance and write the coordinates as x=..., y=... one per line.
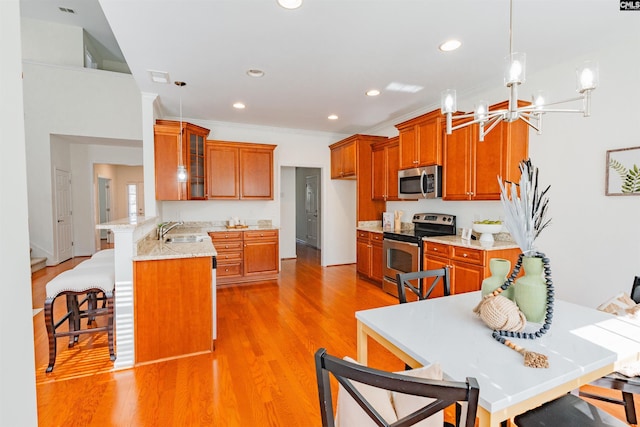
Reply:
x=332, y=117
x=373, y=92
x=450, y=45
x=290, y=4
x=254, y=72
x=402, y=87
x=159, y=76
x=239, y=105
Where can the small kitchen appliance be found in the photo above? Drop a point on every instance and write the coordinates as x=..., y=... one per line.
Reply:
x=402, y=251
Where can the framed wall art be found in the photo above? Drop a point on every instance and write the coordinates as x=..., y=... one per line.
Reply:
x=623, y=172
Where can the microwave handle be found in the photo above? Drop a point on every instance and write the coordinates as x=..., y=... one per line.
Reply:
x=422, y=175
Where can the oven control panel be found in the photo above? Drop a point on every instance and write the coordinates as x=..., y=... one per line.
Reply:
x=434, y=218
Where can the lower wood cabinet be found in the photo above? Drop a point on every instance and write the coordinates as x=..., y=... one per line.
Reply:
x=173, y=308
x=246, y=256
x=230, y=248
x=468, y=266
x=369, y=255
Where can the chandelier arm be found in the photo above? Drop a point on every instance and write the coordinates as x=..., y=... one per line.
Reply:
x=533, y=107
x=526, y=118
x=494, y=122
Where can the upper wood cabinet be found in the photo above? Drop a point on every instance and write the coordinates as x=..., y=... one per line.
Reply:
x=384, y=167
x=421, y=140
x=343, y=160
x=358, y=147
x=471, y=168
x=239, y=171
x=167, y=155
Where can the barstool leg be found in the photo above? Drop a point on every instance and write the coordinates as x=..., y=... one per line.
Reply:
x=49, y=322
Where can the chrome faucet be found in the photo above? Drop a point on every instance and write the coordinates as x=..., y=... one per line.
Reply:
x=162, y=230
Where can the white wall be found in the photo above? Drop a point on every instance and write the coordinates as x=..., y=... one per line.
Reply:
x=18, y=405
x=287, y=212
x=594, y=240
x=62, y=101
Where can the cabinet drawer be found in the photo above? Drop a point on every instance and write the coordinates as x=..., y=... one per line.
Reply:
x=223, y=246
x=220, y=236
x=260, y=234
x=375, y=236
x=225, y=257
x=472, y=256
x=229, y=270
x=363, y=234
x=431, y=248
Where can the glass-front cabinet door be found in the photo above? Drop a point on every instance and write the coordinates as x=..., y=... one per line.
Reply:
x=196, y=167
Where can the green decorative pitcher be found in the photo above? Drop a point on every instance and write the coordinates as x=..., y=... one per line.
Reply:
x=499, y=268
x=531, y=290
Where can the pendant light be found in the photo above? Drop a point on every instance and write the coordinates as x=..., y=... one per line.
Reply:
x=182, y=170
x=514, y=75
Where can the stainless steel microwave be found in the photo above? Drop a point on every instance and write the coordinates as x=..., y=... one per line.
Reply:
x=420, y=183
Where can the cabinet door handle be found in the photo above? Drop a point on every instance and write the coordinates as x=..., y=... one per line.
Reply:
x=464, y=255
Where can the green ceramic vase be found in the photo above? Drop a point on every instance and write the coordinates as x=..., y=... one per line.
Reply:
x=499, y=268
x=531, y=290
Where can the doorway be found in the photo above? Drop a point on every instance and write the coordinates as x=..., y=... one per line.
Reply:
x=64, y=216
x=104, y=207
x=300, y=210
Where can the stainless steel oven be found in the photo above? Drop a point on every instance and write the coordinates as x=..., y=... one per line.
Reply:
x=398, y=257
x=402, y=250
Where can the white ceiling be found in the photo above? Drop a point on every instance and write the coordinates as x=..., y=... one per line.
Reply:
x=322, y=58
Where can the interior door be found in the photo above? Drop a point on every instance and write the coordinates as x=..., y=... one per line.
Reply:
x=104, y=200
x=64, y=218
x=311, y=210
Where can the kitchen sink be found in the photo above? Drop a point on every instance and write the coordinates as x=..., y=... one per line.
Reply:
x=186, y=239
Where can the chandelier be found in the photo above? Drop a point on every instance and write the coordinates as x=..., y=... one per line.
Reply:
x=531, y=114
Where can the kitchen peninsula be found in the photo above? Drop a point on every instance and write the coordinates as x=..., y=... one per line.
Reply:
x=165, y=292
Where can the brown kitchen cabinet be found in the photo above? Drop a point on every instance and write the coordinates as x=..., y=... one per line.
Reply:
x=468, y=266
x=239, y=171
x=167, y=157
x=472, y=167
x=230, y=248
x=246, y=256
x=343, y=160
x=384, y=169
x=421, y=140
x=173, y=308
x=261, y=254
x=369, y=255
x=342, y=151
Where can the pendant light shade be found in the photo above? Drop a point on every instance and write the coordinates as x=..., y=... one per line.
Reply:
x=182, y=170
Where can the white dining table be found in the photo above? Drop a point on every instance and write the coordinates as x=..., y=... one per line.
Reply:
x=583, y=344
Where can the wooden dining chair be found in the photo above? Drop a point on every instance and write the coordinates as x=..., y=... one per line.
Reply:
x=627, y=385
x=363, y=384
x=567, y=411
x=416, y=283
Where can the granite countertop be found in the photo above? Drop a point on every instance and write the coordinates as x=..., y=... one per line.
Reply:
x=150, y=248
x=153, y=249
x=474, y=244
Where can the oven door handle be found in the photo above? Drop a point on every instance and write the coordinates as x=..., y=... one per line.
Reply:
x=399, y=242
x=422, y=176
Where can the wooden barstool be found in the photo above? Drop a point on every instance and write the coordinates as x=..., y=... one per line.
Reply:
x=87, y=282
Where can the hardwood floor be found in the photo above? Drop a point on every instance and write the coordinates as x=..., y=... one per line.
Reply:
x=261, y=373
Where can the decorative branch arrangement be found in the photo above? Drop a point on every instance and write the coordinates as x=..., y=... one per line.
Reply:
x=526, y=209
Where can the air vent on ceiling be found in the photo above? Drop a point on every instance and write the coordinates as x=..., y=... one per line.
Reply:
x=66, y=10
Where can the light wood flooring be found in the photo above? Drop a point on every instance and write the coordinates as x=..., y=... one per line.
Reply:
x=261, y=373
